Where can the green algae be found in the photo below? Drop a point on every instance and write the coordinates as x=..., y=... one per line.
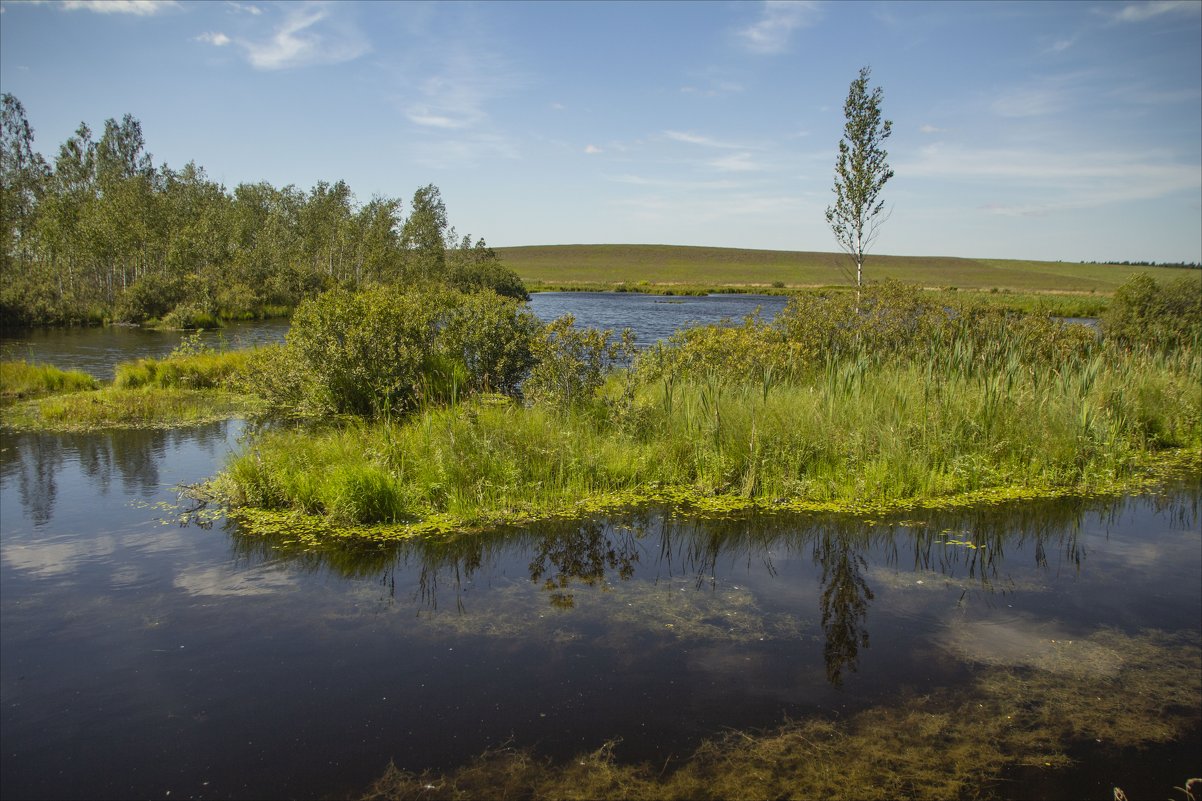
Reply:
x=294, y=527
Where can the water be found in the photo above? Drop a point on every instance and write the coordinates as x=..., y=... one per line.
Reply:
x=652, y=317
x=142, y=657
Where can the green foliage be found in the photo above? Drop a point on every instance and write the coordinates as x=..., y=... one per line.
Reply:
x=1147, y=312
x=475, y=267
x=106, y=233
x=861, y=172
x=894, y=400
x=571, y=363
x=383, y=351
x=21, y=379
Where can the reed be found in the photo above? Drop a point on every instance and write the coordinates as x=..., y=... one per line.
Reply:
x=863, y=434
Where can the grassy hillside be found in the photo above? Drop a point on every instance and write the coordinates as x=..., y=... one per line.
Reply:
x=574, y=265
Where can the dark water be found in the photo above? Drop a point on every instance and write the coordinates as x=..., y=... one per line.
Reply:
x=652, y=317
x=140, y=658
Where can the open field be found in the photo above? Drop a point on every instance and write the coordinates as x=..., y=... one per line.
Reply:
x=562, y=266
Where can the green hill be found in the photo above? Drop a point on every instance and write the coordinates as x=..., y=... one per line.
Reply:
x=602, y=266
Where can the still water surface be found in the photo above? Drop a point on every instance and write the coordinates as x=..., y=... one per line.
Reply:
x=141, y=657
x=144, y=658
x=97, y=350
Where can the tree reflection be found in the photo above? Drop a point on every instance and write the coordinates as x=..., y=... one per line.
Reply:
x=583, y=555
x=968, y=547
x=845, y=597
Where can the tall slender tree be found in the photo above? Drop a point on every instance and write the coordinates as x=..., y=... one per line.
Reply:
x=861, y=171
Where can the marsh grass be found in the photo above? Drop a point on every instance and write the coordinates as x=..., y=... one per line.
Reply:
x=206, y=369
x=130, y=408
x=21, y=379
x=947, y=745
x=857, y=435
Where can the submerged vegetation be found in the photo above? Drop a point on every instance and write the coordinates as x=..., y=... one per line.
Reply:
x=1125, y=691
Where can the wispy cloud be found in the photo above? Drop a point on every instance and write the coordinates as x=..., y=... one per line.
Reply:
x=1058, y=180
x=592, y=150
x=1139, y=12
x=698, y=139
x=1060, y=45
x=243, y=8
x=930, y=129
x=736, y=162
x=778, y=19
x=139, y=8
x=1039, y=97
x=217, y=39
x=307, y=35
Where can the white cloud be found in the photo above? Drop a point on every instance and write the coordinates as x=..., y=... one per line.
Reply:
x=140, y=8
x=592, y=150
x=422, y=116
x=736, y=162
x=302, y=40
x=1055, y=180
x=1139, y=12
x=697, y=139
x=778, y=19
x=244, y=8
x=930, y=129
x=1034, y=101
x=216, y=39
x=1060, y=45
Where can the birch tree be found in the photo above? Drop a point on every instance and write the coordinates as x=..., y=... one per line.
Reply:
x=861, y=171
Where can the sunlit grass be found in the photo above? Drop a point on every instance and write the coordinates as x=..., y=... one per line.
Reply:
x=129, y=408
x=880, y=436
x=21, y=379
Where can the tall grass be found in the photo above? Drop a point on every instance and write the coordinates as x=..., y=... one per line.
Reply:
x=204, y=370
x=859, y=436
x=21, y=379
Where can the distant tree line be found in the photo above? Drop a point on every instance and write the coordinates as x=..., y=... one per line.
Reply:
x=105, y=234
x=1189, y=265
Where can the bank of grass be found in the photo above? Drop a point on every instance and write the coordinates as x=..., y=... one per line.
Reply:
x=1058, y=304
x=111, y=407
x=565, y=265
x=205, y=370
x=853, y=437
x=182, y=389
x=22, y=379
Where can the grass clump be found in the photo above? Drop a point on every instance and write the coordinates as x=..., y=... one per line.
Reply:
x=205, y=370
x=130, y=408
x=21, y=379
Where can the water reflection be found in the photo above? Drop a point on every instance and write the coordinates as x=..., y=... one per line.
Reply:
x=965, y=550
x=136, y=458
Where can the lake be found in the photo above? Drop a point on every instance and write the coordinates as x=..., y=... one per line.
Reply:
x=151, y=649
x=97, y=350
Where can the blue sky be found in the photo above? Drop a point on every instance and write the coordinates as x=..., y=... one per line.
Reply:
x=1065, y=130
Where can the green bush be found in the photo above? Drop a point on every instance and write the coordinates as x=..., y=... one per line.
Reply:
x=384, y=351
x=1145, y=312
x=571, y=363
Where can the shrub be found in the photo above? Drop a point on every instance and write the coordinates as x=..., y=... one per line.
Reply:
x=571, y=363
x=383, y=351
x=1145, y=312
